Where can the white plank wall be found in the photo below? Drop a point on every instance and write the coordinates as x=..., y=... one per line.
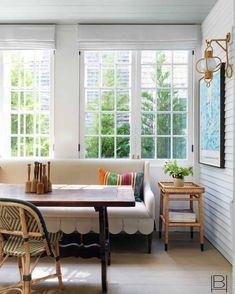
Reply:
x=219, y=182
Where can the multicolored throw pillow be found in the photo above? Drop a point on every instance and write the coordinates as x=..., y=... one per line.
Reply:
x=135, y=179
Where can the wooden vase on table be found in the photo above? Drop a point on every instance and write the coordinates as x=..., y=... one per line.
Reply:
x=49, y=189
x=40, y=185
x=35, y=181
x=44, y=178
x=28, y=183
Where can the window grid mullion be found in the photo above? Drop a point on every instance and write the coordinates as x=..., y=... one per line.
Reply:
x=137, y=102
x=19, y=117
x=39, y=108
x=24, y=130
x=23, y=113
x=172, y=93
x=34, y=93
x=100, y=103
x=155, y=112
x=115, y=105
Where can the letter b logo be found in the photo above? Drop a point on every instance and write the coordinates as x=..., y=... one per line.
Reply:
x=218, y=282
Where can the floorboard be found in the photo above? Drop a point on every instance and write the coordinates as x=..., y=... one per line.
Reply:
x=183, y=269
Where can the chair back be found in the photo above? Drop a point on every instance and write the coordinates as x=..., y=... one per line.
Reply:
x=22, y=219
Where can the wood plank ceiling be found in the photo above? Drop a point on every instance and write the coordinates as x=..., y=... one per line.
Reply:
x=105, y=11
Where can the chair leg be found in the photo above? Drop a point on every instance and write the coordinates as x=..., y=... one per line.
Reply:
x=1, y=248
x=150, y=238
x=58, y=267
x=20, y=267
x=27, y=280
x=26, y=287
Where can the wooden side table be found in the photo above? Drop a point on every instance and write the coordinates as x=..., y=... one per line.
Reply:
x=190, y=192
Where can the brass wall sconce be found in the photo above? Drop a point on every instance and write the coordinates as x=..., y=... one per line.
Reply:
x=210, y=63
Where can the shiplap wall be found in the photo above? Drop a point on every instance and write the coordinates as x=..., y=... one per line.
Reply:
x=103, y=11
x=219, y=182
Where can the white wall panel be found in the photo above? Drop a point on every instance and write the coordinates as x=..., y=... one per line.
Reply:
x=105, y=11
x=219, y=182
x=66, y=92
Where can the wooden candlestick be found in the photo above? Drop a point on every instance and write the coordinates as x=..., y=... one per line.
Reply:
x=40, y=185
x=44, y=178
x=28, y=183
x=49, y=177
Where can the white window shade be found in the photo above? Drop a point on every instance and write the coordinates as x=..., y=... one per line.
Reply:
x=141, y=37
x=27, y=37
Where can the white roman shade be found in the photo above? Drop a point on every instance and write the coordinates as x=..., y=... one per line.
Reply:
x=27, y=37
x=133, y=37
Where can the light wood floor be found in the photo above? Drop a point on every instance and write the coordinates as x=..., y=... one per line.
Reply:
x=183, y=269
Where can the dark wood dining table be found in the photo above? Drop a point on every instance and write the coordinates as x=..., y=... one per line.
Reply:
x=99, y=197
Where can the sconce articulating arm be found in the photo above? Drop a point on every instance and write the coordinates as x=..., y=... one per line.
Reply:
x=228, y=66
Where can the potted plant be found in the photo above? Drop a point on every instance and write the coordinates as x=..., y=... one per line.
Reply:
x=177, y=172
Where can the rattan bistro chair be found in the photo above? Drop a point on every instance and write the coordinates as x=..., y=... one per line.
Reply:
x=23, y=234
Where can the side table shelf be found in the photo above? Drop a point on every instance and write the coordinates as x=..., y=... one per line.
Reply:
x=190, y=192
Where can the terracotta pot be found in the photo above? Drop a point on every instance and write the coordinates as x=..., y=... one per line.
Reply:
x=178, y=182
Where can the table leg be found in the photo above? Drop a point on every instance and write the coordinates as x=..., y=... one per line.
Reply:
x=107, y=235
x=160, y=213
x=200, y=216
x=166, y=216
x=191, y=207
x=103, y=247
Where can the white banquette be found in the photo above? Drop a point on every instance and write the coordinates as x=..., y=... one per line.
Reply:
x=140, y=218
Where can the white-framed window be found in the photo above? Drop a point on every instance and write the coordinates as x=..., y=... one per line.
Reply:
x=164, y=104
x=107, y=110
x=26, y=99
x=153, y=114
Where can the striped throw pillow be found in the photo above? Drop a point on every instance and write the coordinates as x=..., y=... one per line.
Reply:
x=134, y=179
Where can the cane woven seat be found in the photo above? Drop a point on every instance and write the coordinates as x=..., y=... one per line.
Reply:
x=14, y=245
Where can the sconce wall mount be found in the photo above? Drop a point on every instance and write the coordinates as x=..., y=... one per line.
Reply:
x=210, y=64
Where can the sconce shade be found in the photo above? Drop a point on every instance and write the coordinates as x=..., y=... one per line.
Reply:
x=209, y=63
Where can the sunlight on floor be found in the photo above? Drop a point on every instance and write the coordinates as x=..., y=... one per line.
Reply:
x=182, y=269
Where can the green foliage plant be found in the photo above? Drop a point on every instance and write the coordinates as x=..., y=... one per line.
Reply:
x=176, y=171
